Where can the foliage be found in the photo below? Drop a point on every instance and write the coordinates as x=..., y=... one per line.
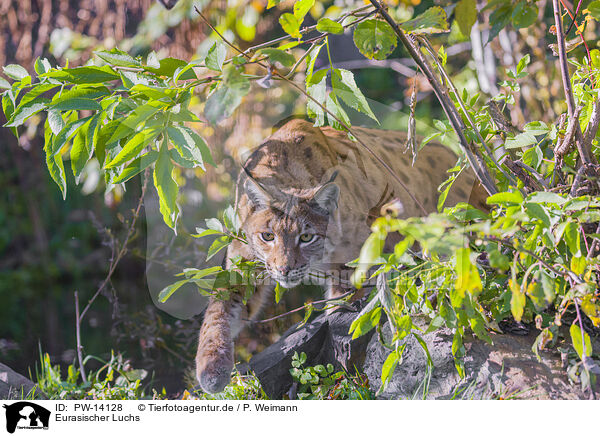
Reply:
x=114, y=380
x=321, y=382
x=241, y=387
x=532, y=256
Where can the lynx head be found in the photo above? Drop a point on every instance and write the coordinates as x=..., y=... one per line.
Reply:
x=287, y=231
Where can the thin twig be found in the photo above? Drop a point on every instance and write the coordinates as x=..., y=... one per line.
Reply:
x=584, y=153
x=78, y=339
x=563, y=148
x=123, y=249
x=587, y=49
x=574, y=18
x=298, y=309
x=530, y=184
x=594, y=245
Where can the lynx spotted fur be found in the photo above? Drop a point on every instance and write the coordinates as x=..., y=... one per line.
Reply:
x=306, y=199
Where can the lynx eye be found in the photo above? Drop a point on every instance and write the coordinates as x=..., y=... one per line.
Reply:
x=267, y=236
x=306, y=237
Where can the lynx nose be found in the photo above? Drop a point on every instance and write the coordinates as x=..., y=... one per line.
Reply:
x=284, y=270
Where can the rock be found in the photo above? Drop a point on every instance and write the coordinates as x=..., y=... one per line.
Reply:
x=324, y=340
x=14, y=386
x=506, y=369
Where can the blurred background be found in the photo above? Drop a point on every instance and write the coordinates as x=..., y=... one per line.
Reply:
x=50, y=248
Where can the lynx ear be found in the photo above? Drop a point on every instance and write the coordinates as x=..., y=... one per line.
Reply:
x=327, y=196
x=258, y=196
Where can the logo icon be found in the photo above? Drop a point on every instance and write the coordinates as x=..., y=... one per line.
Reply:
x=26, y=415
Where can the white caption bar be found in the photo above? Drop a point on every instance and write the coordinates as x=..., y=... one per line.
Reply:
x=290, y=418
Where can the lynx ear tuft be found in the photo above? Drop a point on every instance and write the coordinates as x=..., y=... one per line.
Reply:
x=327, y=196
x=258, y=196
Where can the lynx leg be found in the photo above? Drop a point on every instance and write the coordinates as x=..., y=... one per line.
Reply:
x=214, y=359
x=223, y=320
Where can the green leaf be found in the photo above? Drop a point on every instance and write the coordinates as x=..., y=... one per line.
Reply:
x=214, y=224
x=134, y=146
x=55, y=121
x=185, y=145
x=168, y=66
x=365, y=322
x=594, y=9
x=523, y=62
x=181, y=161
x=308, y=310
x=166, y=187
x=389, y=365
x=136, y=166
x=83, y=145
x=82, y=75
x=290, y=25
x=130, y=123
x=536, y=211
x=498, y=260
x=375, y=39
x=467, y=276
x=578, y=264
x=334, y=108
x=277, y=55
x=217, y=246
x=524, y=14
x=370, y=252
x=458, y=349
x=15, y=72
x=35, y=92
x=75, y=104
x=80, y=91
x=301, y=8
x=579, y=339
x=505, y=198
x=66, y=134
x=316, y=87
x=216, y=56
x=201, y=145
x=55, y=164
x=228, y=96
x=572, y=238
x=272, y=3
x=325, y=25
x=41, y=66
x=26, y=111
x=423, y=345
x=547, y=197
x=117, y=57
x=279, y=291
x=521, y=140
x=433, y=20
x=345, y=87
x=166, y=293
x=466, y=15
x=4, y=83
x=517, y=301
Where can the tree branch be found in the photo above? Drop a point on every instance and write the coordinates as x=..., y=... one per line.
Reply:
x=584, y=151
x=123, y=250
x=78, y=339
x=473, y=156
